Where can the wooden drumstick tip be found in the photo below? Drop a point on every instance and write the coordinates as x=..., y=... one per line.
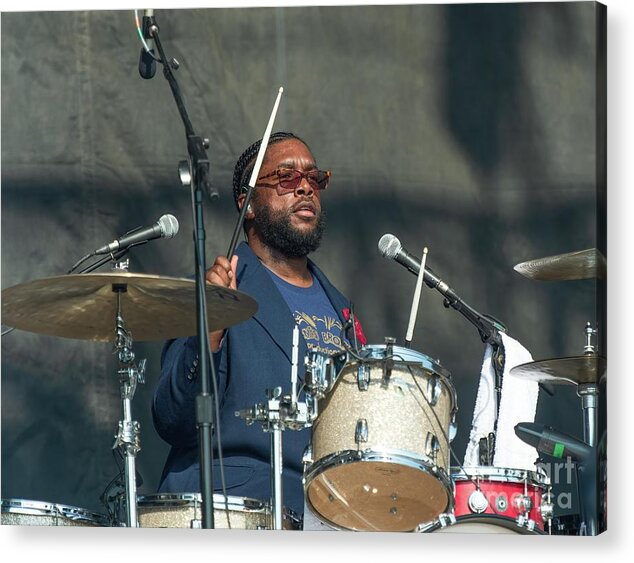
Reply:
x=281, y=89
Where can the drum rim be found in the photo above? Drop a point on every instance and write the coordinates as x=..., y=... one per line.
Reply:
x=403, y=352
x=506, y=474
x=380, y=455
x=331, y=460
x=345, y=358
x=482, y=518
x=30, y=507
x=426, y=361
x=244, y=504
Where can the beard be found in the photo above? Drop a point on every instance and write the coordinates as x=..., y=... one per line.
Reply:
x=276, y=230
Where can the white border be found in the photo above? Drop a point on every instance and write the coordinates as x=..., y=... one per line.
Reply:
x=59, y=544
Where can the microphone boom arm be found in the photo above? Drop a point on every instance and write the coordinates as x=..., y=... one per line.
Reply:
x=488, y=327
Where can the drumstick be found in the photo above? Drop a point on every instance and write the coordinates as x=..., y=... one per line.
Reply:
x=414, y=311
x=254, y=175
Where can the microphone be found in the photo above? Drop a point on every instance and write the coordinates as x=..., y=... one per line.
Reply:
x=147, y=61
x=390, y=247
x=165, y=227
x=546, y=440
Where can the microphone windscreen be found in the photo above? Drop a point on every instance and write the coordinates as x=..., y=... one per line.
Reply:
x=169, y=226
x=389, y=246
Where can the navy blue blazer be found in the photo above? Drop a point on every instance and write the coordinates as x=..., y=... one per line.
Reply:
x=255, y=356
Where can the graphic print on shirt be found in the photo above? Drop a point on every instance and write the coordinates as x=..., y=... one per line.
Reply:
x=322, y=334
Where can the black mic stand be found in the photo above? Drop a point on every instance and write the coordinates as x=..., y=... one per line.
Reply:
x=489, y=330
x=199, y=175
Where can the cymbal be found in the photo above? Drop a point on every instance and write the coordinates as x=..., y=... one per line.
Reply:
x=576, y=370
x=83, y=306
x=580, y=265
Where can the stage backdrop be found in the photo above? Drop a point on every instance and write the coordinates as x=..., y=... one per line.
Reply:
x=474, y=130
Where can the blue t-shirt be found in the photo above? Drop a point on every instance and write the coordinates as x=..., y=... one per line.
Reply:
x=314, y=314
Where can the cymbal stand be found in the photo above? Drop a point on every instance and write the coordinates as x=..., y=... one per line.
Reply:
x=589, y=394
x=278, y=414
x=127, y=439
x=587, y=471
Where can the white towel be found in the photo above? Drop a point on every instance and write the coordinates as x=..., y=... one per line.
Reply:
x=518, y=404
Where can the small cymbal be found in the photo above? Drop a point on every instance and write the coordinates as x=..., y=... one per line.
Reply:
x=576, y=370
x=83, y=306
x=580, y=265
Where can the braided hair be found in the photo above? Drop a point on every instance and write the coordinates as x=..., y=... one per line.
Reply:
x=244, y=166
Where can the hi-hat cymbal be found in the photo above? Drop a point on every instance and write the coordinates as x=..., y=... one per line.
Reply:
x=83, y=306
x=576, y=370
x=580, y=265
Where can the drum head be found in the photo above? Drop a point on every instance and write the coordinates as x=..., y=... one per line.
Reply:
x=377, y=496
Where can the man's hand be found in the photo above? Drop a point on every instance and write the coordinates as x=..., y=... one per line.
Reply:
x=222, y=273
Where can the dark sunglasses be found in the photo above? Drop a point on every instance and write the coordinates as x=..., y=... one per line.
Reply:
x=289, y=179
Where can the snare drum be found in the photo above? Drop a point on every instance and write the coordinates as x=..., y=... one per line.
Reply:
x=497, y=500
x=184, y=511
x=379, y=456
x=21, y=512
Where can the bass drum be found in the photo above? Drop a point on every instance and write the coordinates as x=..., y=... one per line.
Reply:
x=184, y=511
x=20, y=512
x=380, y=442
x=483, y=524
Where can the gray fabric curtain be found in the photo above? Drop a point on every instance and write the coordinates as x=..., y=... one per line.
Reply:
x=474, y=130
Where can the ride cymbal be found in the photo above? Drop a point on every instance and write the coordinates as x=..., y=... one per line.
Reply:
x=83, y=306
x=576, y=370
x=580, y=265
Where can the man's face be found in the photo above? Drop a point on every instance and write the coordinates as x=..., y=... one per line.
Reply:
x=291, y=223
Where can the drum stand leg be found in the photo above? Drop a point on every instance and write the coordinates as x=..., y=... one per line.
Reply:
x=127, y=439
x=279, y=413
x=587, y=471
x=276, y=476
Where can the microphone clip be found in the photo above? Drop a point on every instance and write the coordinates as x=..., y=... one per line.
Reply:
x=149, y=26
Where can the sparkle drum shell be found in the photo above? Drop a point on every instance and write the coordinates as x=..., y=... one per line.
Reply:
x=20, y=512
x=184, y=510
x=380, y=443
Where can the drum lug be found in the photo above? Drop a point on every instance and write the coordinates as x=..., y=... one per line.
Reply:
x=320, y=373
x=388, y=362
x=432, y=446
x=547, y=507
x=443, y=520
x=434, y=389
x=363, y=377
x=523, y=503
x=453, y=428
x=307, y=457
x=525, y=522
x=361, y=431
x=477, y=502
x=446, y=520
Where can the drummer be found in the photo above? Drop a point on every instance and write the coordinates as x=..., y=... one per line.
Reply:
x=283, y=224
